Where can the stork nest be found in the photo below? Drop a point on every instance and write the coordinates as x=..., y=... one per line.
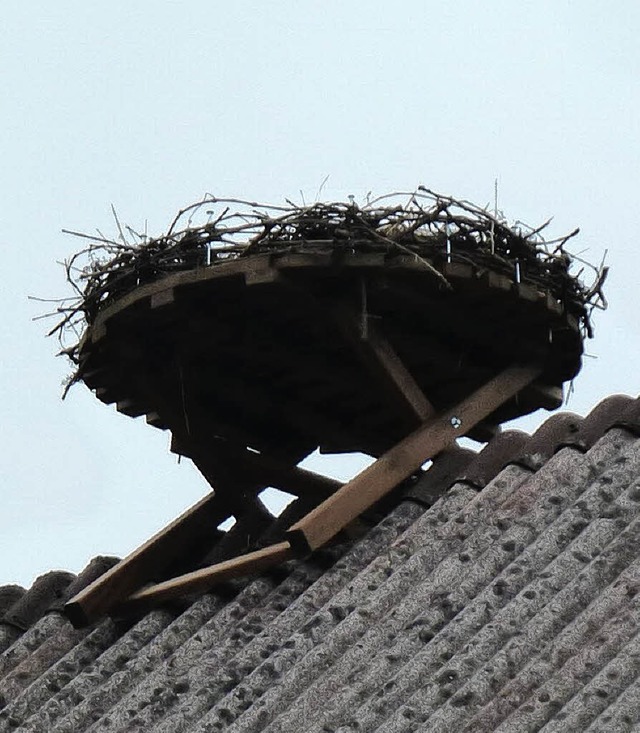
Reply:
x=427, y=225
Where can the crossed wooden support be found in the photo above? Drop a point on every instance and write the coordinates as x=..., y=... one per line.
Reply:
x=124, y=587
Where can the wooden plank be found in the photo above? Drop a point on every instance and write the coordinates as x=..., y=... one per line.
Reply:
x=398, y=463
x=202, y=580
x=458, y=271
x=106, y=394
x=96, y=378
x=293, y=479
x=294, y=260
x=414, y=263
x=163, y=297
x=529, y=294
x=239, y=488
x=360, y=260
x=228, y=268
x=264, y=276
x=130, y=407
x=98, y=330
x=496, y=281
x=259, y=467
x=156, y=421
x=120, y=581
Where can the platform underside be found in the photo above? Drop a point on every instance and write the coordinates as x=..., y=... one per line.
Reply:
x=278, y=353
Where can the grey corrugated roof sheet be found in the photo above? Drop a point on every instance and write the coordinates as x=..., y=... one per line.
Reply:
x=510, y=604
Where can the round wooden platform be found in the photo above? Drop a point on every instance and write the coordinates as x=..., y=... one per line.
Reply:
x=285, y=353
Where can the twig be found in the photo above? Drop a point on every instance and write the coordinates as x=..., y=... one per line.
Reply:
x=115, y=216
x=418, y=223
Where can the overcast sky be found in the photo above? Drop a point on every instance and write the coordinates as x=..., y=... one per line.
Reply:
x=148, y=105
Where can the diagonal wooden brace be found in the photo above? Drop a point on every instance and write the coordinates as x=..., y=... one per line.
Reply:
x=335, y=513
x=202, y=580
x=217, y=459
x=384, y=365
x=134, y=571
x=398, y=463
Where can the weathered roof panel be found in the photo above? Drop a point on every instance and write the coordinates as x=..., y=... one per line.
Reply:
x=508, y=604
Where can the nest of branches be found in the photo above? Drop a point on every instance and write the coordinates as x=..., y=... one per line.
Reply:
x=425, y=224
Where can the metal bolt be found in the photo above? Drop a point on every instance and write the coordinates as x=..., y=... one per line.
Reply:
x=456, y=422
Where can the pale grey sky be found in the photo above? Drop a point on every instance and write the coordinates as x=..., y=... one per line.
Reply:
x=148, y=105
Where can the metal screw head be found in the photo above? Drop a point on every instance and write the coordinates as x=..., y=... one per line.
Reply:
x=456, y=422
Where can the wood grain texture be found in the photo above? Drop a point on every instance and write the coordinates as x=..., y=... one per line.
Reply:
x=398, y=463
x=202, y=580
x=129, y=574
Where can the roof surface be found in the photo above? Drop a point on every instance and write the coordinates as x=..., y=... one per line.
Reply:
x=499, y=593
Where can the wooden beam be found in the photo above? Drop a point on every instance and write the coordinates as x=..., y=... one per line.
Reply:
x=265, y=275
x=340, y=510
x=327, y=519
x=129, y=574
x=378, y=357
x=202, y=580
x=155, y=421
x=292, y=479
x=220, y=456
x=384, y=365
x=312, y=531
x=235, y=490
x=129, y=407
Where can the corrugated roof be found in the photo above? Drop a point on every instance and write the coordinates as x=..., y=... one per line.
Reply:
x=510, y=603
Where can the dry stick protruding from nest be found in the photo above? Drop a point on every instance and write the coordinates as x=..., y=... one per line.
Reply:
x=417, y=223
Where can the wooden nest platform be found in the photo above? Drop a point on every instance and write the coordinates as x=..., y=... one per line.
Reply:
x=289, y=352
x=330, y=325
x=263, y=334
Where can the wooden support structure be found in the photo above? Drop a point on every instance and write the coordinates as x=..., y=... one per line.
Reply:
x=119, y=588
x=384, y=365
x=135, y=570
x=202, y=580
x=265, y=323
x=398, y=463
x=256, y=468
x=256, y=362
